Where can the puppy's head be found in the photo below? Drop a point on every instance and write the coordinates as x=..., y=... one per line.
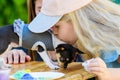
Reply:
x=7, y=36
x=67, y=54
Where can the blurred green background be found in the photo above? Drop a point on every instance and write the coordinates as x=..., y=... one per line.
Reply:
x=14, y=9
x=11, y=10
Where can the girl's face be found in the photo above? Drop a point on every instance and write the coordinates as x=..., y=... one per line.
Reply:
x=38, y=4
x=65, y=32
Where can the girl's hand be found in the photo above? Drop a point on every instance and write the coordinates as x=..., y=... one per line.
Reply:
x=16, y=56
x=98, y=67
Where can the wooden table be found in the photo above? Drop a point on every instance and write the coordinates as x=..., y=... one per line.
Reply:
x=74, y=71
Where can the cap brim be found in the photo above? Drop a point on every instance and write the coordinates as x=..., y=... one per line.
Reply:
x=42, y=23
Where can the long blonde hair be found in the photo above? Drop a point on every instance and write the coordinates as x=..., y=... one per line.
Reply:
x=97, y=25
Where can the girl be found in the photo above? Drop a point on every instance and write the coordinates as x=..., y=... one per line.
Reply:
x=91, y=25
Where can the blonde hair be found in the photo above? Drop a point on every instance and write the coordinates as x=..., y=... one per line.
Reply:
x=97, y=25
x=66, y=18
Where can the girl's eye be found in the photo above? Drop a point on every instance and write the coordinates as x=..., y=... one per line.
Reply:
x=56, y=26
x=39, y=9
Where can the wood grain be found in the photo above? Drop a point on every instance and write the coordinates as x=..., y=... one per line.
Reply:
x=75, y=71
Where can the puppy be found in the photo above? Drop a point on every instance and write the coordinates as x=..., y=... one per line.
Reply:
x=67, y=54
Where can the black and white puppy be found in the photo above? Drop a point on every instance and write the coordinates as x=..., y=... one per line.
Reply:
x=67, y=54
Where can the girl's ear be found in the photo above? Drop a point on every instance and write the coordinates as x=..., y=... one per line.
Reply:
x=54, y=30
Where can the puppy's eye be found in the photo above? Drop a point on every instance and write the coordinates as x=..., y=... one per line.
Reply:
x=62, y=48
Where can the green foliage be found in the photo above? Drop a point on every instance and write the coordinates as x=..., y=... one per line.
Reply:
x=11, y=10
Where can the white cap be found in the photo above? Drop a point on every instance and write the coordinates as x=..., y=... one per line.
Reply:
x=52, y=11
